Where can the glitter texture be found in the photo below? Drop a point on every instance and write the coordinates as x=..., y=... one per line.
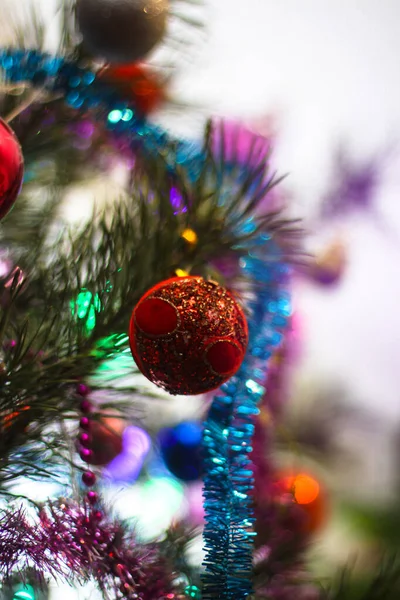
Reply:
x=185, y=361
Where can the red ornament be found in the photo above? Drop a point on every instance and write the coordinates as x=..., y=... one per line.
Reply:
x=11, y=168
x=289, y=508
x=306, y=492
x=188, y=335
x=105, y=440
x=138, y=83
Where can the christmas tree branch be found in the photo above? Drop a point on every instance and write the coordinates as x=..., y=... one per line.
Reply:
x=383, y=585
x=80, y=290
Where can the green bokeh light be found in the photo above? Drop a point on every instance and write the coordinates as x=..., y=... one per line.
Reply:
x=115, y=116
x=127, y=115
x=192, y=591
x=24, y=592
x=85, y=308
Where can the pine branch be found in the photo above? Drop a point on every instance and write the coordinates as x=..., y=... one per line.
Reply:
x=384, y=585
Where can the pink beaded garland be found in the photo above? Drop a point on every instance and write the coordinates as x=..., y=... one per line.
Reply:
x=89, y=478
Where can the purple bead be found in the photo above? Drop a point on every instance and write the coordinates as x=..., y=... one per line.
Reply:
x=125, y=588
x=85, y=406
x=85, y=454
x=10, y=345
x=92, y=497
x=98, y=515
x=84, y=440
x=81, y=533
x=82, y=389
x=84, y=423
x=89, y=478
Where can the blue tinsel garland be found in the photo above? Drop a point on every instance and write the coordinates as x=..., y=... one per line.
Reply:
x=229, y=428
x=228, y=433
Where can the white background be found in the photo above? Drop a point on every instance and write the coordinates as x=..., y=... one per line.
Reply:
x=329, y=70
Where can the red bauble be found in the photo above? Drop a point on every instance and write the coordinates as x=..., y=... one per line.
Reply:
x=188, y=335
x=307, y=493
x=11, y=168
x=105, y=440
x=289, y=508
x=138, y=84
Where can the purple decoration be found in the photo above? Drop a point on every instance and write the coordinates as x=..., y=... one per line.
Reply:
x=126, y=467
x=84, y=423
x=92, y=497
x=84, y=440
x=85, y=129
x=354, y=187
x=75, y=544
x=85, y=406
x=10, y=345
x=85, y=454
x=82, y=390
x=247, y=152
x=89, y=478
x=326, y=277
x=177, y=201
x=240, y=144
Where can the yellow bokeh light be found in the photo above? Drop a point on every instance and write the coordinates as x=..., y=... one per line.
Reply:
x=265, y=417
x=190, y=236
x=181, y=273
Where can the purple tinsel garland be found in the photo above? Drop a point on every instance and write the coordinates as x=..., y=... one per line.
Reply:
x=76, y=543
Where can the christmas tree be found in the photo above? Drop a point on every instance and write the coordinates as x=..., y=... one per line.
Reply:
x=182, y=278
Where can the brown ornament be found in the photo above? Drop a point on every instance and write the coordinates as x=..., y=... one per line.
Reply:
x=121, y=31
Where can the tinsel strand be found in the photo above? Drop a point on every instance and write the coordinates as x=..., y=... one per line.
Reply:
x=228, y=433
x=74, y=543
x=83, y=90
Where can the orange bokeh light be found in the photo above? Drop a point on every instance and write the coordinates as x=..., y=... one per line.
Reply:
x=304, y=488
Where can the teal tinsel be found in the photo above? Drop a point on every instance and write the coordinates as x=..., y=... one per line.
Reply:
x=82, y=90
x=228, y=431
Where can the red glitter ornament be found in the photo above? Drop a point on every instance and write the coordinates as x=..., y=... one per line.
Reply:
x=188, y=335
x=11, y=168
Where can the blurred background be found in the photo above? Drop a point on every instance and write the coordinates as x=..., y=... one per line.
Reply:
x=321, y=79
